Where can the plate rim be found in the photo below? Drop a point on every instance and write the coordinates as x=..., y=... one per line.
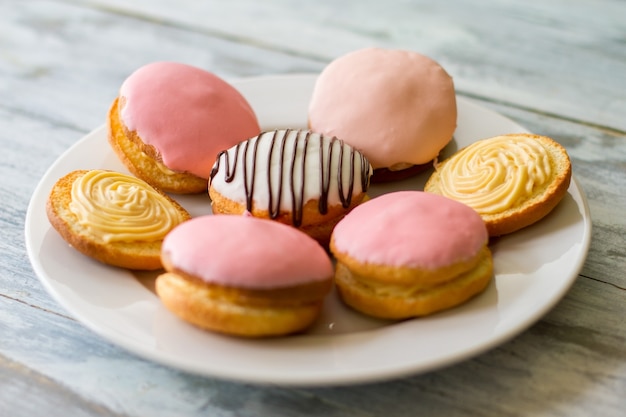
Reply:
x=286, y=379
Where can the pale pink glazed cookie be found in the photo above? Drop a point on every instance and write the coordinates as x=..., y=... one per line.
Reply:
x=244, y=276
x=396, y=106
x=410, y=253
x=171, y=120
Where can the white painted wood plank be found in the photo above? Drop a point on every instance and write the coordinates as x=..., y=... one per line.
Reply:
x=65, y=63
x=25, y=394
x=61, y=63
x=561, y=57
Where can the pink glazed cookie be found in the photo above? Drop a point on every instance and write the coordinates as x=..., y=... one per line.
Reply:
x=171, y=120
x=410, y=253
x=243, y=276
x=396, y=106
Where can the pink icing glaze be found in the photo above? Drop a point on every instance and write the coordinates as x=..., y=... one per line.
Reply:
x=188, y=114
x=395, y=106
x=242, y=251
x=412, y=229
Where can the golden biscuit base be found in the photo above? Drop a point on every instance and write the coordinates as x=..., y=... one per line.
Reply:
x=144, y=162
x=405, y=276
x=402, y=302
x=241, y=312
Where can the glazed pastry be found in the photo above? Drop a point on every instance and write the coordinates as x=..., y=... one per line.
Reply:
x=171, y=120
x=409, y=254
x=244, y=276
x=296, y=177
x=396, y=106
x=114, y=218
x=512, y=181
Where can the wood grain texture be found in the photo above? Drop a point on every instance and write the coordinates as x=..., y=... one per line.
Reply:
x=548, y=56
x=558, y=68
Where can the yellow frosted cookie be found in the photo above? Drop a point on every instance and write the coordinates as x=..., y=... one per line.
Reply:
x=115, y=218
x=512, y=180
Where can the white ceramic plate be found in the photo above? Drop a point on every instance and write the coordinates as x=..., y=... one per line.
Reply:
x=533, y=270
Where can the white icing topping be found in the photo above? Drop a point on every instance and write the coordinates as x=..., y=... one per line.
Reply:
x=275, y=163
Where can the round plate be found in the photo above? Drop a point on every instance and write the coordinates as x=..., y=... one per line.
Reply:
x=533, y=269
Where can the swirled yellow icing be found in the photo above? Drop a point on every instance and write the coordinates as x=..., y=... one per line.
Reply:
x=496, y=174
x=117, y=207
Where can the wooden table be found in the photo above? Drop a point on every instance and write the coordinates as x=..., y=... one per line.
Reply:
x=558, y=68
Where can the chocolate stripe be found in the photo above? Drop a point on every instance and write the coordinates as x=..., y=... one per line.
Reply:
x=295, y=162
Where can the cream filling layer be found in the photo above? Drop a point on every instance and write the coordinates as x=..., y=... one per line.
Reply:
x=116, y=207
x=160, y=166
x=496, y=174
